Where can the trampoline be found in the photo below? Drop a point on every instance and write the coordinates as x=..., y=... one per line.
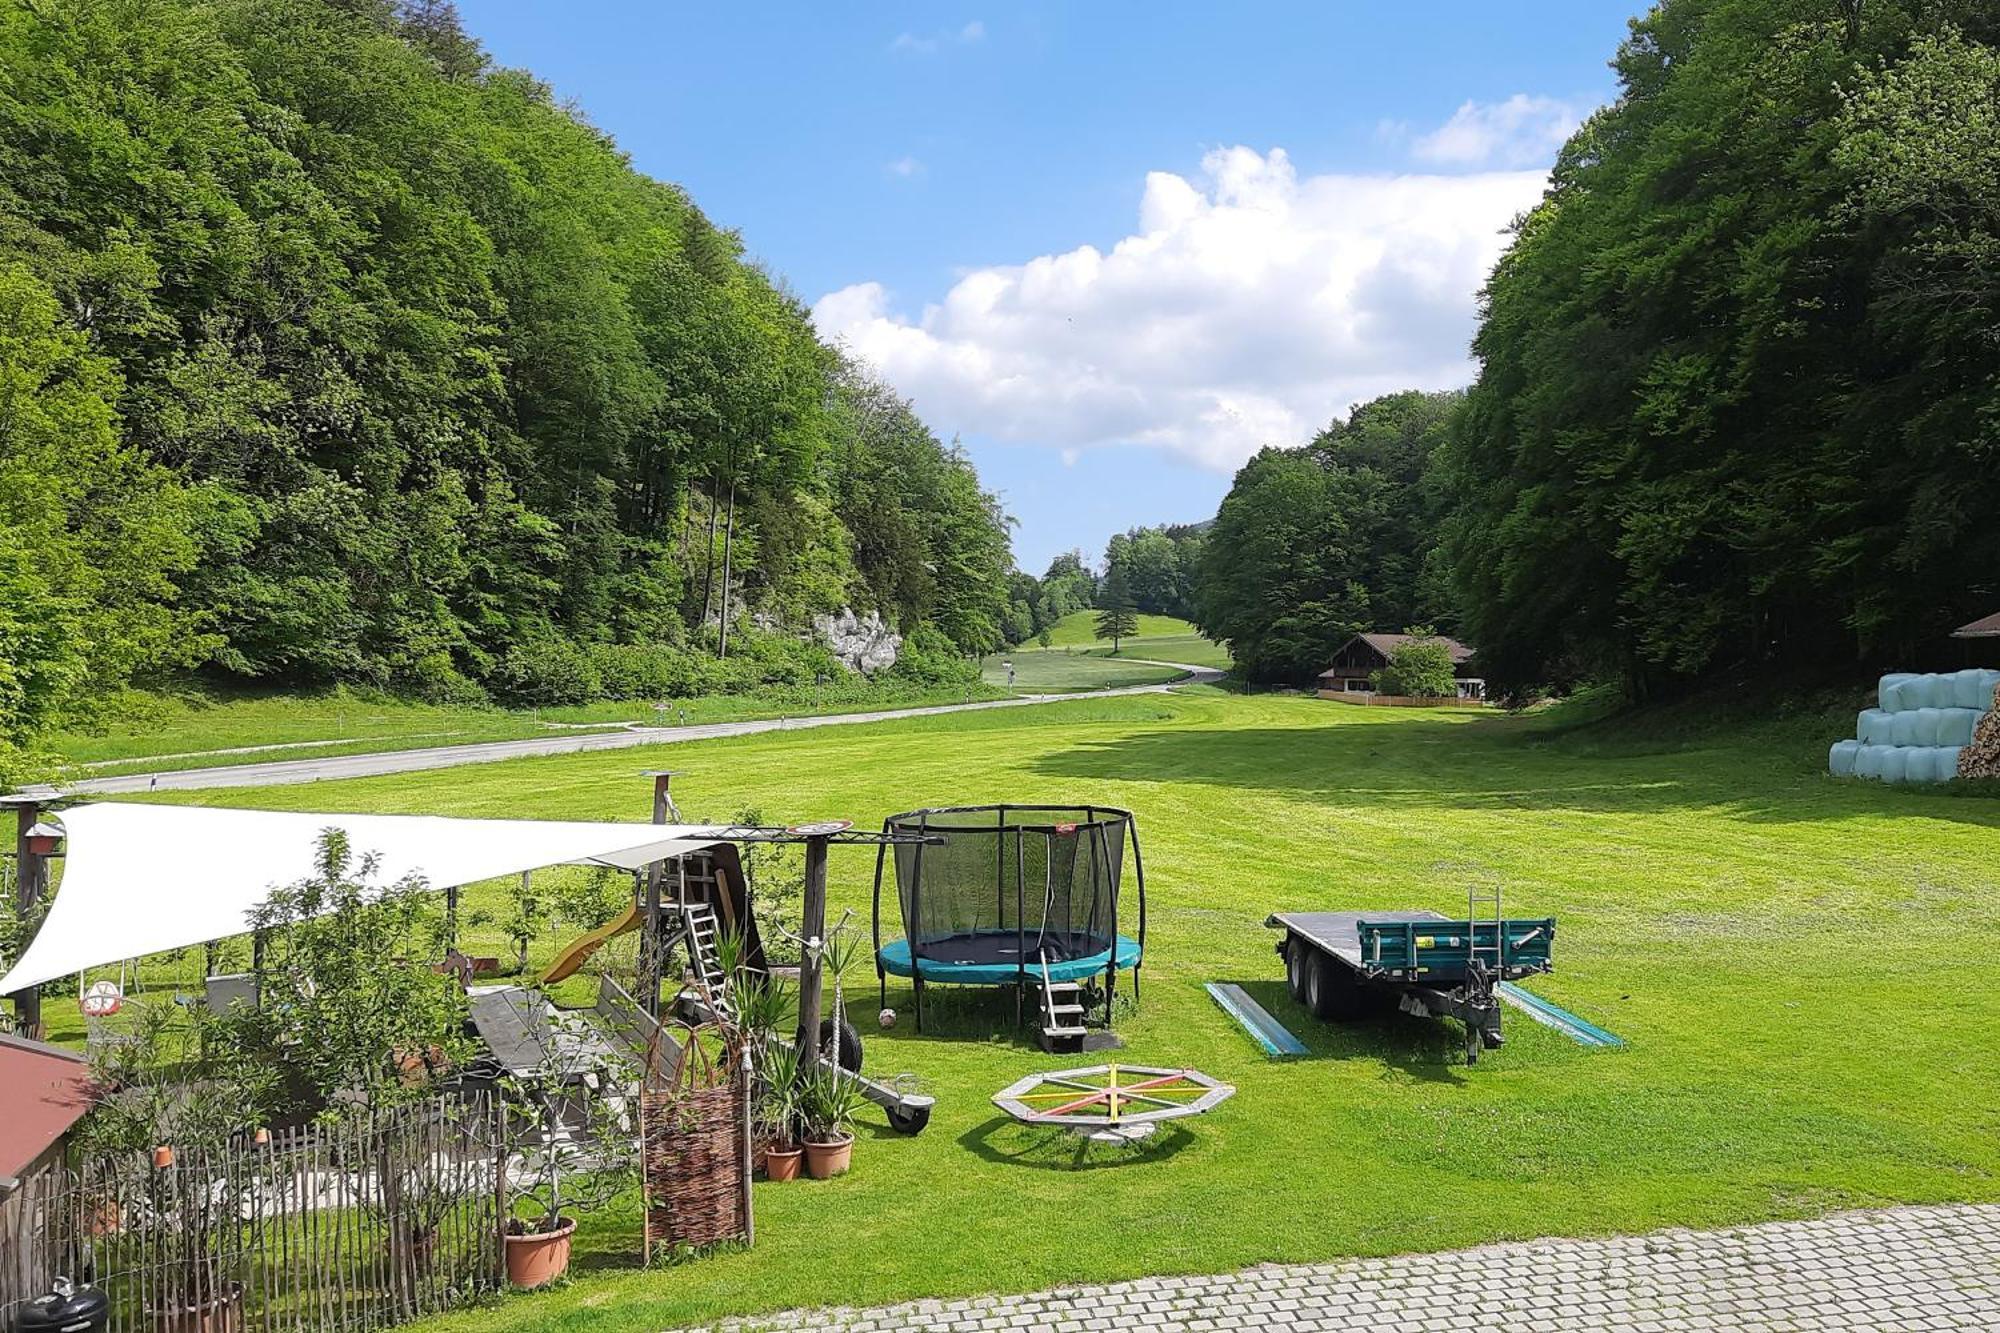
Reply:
x=1010, y=895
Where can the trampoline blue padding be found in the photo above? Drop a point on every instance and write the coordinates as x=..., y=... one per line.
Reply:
x=997, y=964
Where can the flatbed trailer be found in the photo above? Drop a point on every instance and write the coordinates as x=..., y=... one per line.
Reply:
x=1343, y=965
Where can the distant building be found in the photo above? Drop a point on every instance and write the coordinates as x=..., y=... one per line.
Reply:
x=1988, y=628
x=1365, y=654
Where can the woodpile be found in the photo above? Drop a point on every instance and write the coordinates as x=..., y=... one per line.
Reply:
x=1981, y=759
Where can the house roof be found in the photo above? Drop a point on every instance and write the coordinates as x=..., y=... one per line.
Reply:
x=1385, y=644
x=43, y=1091
x=1988, y=628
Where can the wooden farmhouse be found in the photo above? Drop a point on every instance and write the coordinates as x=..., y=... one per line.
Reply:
x=1365, y=654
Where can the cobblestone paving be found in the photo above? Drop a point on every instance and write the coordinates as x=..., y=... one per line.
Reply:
x=1912, y=1270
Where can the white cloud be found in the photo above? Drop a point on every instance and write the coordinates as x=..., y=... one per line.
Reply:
x=904, y=166
x=1248, y=308
x=1522, y=131
x=924, y=44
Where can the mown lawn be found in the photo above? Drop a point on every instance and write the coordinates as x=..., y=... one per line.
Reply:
x=152, y=732
x=1077, y=660
x=1057, y=671
x=1802, y=969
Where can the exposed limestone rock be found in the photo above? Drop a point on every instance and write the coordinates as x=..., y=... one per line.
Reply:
x=864, y=643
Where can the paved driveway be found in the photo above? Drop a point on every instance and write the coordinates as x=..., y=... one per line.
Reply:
x=1911, y=1270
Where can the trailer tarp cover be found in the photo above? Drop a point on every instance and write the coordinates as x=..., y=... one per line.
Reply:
x=143, y=879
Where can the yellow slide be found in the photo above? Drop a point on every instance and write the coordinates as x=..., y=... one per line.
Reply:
x=581, y=948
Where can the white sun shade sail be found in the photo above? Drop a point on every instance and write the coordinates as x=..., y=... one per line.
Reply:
x=143, y=879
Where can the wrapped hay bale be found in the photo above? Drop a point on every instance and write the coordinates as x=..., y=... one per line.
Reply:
x=1868, y=761
x=1937, y=763
x=1956, y=725
x=1981, y=759
x=1886, y=690
x=1876, y=726
x=1840, y=759
x=1930, y=725
x=1896, y=763
x=1970, y=689
x=1909, y=728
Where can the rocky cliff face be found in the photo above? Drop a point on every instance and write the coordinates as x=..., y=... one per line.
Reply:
x=865, y=643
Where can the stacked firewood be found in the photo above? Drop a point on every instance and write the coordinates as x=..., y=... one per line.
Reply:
x=1981, y=759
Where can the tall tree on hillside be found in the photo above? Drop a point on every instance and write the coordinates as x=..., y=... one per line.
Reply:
x=1316, y=544
x=1117, y=619
x=1739, y=396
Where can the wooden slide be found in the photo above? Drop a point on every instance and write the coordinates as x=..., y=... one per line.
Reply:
x=581, y=948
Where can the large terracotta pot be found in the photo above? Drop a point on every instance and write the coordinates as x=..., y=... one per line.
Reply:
x=781, y=1161
x=539, y=1258
x=830, y=1158
x=224, y=1314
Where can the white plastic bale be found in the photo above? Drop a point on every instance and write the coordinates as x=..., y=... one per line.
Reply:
x=1930, y=725
x=1956, y=725
x=1868, y=761
x=1876, y=726
x=1948, y=762
x=1896, y=763
x=1840, y=759
x=1965, y=691
x=1886, y=688
x=1908, y=727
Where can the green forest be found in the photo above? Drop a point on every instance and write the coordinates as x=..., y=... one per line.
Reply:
x=1738, y=404
x=329, y=352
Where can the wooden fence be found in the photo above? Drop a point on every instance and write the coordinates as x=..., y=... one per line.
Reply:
x=381, y=1217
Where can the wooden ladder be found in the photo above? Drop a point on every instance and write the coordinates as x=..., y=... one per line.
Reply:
x=1062, y=1013
x=698, y=921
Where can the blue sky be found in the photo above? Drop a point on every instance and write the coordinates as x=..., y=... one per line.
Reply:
x=1112, y=247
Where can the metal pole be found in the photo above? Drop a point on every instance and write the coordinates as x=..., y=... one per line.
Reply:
x=813, y=931
x=31, y=877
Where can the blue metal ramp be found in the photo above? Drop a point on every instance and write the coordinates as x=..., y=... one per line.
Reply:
x=1256, y=1020
x=1579, y=1030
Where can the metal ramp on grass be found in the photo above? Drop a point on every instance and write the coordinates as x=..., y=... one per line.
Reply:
x=1266, y=1031
x=1579, y=1030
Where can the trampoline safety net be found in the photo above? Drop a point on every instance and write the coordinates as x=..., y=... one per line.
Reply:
x=1010, y=885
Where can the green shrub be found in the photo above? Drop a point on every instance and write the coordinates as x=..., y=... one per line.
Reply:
x=539, y=672
x=929, y=658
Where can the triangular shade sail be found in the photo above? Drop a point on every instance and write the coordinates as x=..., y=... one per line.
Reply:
x=143, y=879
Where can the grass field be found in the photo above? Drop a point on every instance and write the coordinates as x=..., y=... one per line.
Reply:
x=1076, y=660
x=152, y=732
x=1801, y=968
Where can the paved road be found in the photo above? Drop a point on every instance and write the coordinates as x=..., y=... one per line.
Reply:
x=281, y=772
x=1901, y=1269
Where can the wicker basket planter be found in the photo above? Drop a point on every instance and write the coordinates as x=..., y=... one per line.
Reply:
x=695, y=1152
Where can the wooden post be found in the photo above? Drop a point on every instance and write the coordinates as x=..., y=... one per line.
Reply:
x=651, y=964
x=814, y=932
x=31, y=878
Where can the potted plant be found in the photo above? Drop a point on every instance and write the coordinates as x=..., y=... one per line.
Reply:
x=581, y=1153
x=777, y=1110
x=174, y=1095
x=829, y=1100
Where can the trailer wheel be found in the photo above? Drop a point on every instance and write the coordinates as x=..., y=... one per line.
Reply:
x=1297, y=958
x=1333, y=993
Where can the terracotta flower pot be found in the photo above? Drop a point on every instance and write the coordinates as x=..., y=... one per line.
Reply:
x=538, y=1258
x=829, y=1159
x=781, y=1161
